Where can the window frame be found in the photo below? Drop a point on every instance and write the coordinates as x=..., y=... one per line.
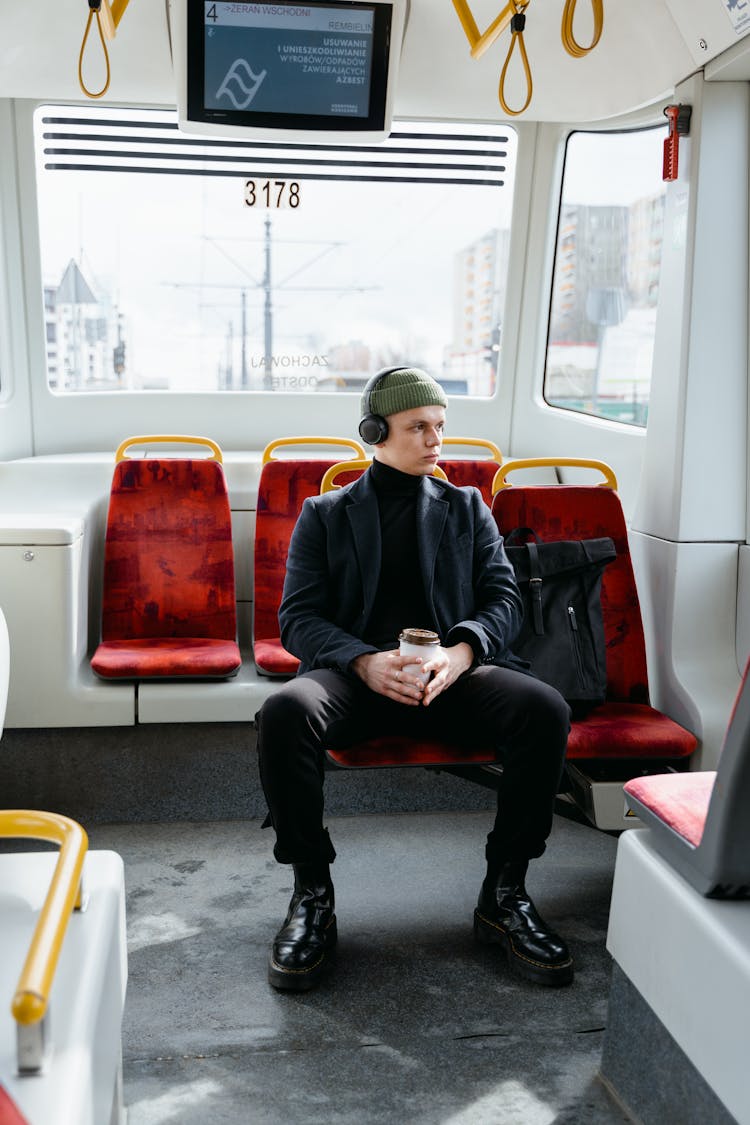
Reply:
x=649, y=125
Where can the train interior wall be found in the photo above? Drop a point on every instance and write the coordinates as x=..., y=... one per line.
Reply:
x=683, y=481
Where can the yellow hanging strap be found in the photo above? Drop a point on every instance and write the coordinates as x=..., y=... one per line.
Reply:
x=107, y=19
x=102, y=26
x=514, y=14
x=517, y=25
x=570, y=43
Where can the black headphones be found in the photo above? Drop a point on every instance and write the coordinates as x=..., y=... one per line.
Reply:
x=373, y=428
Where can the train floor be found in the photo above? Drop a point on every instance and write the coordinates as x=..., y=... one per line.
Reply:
x=417, y=1025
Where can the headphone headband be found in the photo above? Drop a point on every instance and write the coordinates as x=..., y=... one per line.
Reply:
x=373, y=428
x=373, y=383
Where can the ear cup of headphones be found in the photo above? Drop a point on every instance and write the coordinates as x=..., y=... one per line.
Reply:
x=373, y=429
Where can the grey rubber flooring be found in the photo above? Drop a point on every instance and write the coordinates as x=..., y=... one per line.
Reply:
x=416, y=1025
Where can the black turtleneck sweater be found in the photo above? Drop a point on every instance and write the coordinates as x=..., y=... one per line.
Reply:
x=400, y=601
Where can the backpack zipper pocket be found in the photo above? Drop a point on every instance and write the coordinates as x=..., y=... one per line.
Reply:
x=576, y=641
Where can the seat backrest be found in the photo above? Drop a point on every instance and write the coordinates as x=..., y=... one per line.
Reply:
x=586, y=511
x=284, y=485
x=479, y=471
x=699, y=821
x=725, y=843
x=168, y=555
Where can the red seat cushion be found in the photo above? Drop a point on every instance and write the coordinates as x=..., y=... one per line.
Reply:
x=271, y=657
x=399, y=750
x=164, y=657
x=611, y=731
x=10, y=1114
x=628, y=730
x=681, y=800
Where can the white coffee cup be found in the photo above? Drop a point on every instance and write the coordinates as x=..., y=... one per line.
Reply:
x=418, y=642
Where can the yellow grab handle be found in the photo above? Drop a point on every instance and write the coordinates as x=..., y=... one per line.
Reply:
x=499, y=481
x=569, y=41
x=481, y=443
x=327, y=485
x=519, y=7
x=348, y=442
x=150, y=439
x=34, y=984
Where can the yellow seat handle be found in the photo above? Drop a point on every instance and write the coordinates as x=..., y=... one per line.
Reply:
x=327, y=485
x=34, y=984
x=499, y=480
x=181, y=439
x=349, y=443
x=479, y=443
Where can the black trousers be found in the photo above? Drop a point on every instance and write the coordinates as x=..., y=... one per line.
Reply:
x=526, y=720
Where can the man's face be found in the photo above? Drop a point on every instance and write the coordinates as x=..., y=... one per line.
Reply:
x=414, y=440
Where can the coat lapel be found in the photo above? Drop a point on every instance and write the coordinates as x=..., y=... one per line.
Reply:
x=364, y=520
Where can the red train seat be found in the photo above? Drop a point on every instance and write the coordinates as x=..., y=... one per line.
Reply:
x=625, y=726
x=168, y=602
x=479, y=471
x=285, y=483
x=698, y=821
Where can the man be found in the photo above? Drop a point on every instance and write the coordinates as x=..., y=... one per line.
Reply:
x=400, y=548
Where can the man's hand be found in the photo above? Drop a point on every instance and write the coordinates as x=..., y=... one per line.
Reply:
x=383, y=672
x=446, y=665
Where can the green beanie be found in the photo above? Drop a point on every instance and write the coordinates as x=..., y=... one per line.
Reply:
x=404, y=389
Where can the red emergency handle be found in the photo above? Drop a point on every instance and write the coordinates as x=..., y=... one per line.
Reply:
x=678, y=117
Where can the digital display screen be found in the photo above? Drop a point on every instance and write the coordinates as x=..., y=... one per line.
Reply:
x=290, y=64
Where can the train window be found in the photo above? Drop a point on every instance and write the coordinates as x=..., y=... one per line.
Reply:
x=181, y=263
x=606, y=279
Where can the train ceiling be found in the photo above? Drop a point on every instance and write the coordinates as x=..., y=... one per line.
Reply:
x=647, y=46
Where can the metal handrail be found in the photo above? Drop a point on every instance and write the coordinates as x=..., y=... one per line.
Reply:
x=63, y=896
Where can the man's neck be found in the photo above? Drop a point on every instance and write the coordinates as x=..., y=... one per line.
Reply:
x=388, y=479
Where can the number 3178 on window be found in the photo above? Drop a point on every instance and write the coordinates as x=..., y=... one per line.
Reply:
x=272, y=194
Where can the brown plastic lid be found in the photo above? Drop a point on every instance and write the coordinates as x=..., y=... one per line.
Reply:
x=419, y=637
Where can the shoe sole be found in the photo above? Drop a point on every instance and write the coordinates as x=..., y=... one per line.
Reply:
x=302, y=980
x=554, y=976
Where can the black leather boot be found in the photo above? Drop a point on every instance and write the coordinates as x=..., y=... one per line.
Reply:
x=506, y=916
x=303, y=947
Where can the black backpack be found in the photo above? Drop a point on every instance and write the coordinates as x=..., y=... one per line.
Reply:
x=562, y=636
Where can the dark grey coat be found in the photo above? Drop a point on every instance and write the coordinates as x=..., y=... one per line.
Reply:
x=334, y=563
